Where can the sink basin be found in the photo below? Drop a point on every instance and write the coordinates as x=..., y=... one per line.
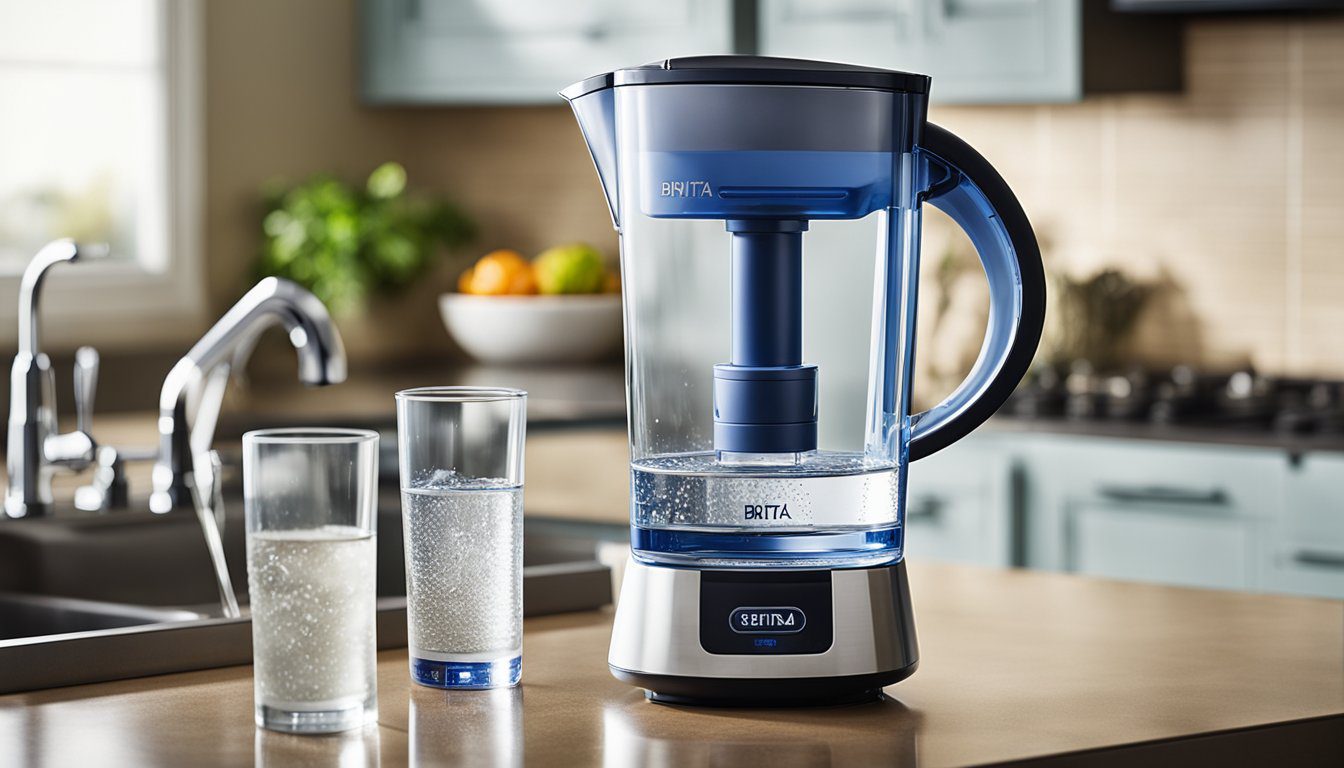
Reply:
x=161, y=560
x=32, y=615
x=86, y=597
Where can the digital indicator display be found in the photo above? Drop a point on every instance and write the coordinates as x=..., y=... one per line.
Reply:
x=767, y=620
x=760, y=612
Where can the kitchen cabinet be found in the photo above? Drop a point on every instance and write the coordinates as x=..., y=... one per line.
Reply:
x=1305, y=550
x=1161, y=511
x=1173, y=513
x=1161, y=542
x=522, y=51
x=978, y=51
x=984, y=51
x=959, y=504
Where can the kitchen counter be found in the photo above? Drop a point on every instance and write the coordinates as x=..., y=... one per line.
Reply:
x=1015, y=666
x=556, y=394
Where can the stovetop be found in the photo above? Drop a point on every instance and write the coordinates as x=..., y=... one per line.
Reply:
x=1235, y=403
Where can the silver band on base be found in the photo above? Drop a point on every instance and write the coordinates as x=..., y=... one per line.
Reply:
x=656, y=642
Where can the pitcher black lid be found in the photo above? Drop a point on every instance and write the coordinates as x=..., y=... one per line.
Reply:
x=753, y=70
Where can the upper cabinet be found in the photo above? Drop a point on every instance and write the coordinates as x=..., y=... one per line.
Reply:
x=984, y=51
x=523, y=51
x=978, y=51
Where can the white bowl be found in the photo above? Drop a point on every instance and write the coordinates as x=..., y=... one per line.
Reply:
x=534, y=329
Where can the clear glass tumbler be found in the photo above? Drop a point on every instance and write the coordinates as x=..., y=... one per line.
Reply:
x=461, y=454
x=311, y=505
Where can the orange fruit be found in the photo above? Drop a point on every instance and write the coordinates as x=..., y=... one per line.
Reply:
x=495, y=273
x=524, y=282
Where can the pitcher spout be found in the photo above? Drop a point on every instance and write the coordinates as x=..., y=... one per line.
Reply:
x=594, y=103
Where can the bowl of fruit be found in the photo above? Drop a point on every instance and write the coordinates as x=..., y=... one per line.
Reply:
x=562, y=306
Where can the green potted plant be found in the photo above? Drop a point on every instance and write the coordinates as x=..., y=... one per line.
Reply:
x=347, y=243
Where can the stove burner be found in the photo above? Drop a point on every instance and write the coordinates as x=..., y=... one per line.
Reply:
x=1184, y=396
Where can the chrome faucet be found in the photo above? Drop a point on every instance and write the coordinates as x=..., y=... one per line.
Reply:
x=194, y=389
x=36, y=449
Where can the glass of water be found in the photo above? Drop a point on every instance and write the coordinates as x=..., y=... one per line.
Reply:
x=311, y=505
x=461, y=454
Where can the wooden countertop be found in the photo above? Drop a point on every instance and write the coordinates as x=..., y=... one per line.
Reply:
x=1015, y=665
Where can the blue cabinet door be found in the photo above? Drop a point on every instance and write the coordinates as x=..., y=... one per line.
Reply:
x=958, y=503
x=1001, y=51
x=877, y=33
x=1306, y=553
x=1167, y=512
x=523, y=51
x=1164, y=544
x=977, y=51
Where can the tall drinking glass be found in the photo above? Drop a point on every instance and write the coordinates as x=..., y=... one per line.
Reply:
x=311, y=499
x=461, y=453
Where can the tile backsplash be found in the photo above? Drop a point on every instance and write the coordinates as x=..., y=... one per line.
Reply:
x=1230, y=193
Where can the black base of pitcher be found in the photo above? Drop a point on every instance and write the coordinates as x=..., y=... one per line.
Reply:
x=763, y=638
x=768, y=692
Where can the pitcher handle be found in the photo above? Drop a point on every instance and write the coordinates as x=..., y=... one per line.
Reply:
x=967, y=188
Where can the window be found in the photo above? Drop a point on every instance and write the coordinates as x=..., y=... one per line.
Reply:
x=99, y=143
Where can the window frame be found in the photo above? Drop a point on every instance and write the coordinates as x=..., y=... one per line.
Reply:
x=125, y=304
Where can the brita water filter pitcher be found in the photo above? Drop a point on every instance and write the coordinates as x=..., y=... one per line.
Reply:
x=767, y=553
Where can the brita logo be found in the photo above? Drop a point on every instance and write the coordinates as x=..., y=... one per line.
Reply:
x=766, y=512
x=767, y=620
x=686, y=189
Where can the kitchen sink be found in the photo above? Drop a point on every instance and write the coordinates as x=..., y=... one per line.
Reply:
x=31, y=615
x=89, y=598
x=161, y=560
x=51, y=640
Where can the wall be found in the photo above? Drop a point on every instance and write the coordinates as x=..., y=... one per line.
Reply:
x=282, y=101
x=1231, y=192
x=1232, y=189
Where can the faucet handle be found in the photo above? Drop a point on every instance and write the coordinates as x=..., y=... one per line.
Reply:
x=77, y=450
x=107, y=490
x=86, y=382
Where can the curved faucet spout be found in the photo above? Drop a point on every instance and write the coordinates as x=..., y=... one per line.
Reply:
x=36, y=447
x=188, y=400
x=304, y=317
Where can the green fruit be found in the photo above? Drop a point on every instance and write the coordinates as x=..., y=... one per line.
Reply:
x=387, y=181
x=576, y=268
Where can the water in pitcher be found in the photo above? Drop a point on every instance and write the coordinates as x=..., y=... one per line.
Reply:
x=821, y=509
